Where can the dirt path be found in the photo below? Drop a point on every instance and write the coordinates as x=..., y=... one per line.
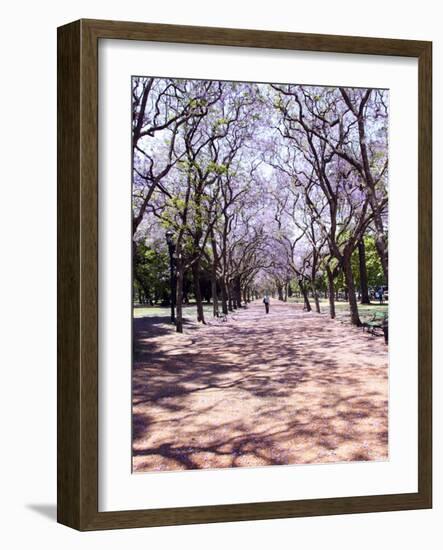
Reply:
x=285, y=388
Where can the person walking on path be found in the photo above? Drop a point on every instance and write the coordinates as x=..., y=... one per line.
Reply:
x=266, y=302
x=379, y=295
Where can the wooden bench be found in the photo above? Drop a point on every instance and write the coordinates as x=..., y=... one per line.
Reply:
x=379, y=320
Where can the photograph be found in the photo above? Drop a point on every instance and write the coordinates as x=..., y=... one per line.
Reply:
x=260, y=274
x=225, y=207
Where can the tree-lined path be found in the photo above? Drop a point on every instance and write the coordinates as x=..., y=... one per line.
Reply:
x=290, y=387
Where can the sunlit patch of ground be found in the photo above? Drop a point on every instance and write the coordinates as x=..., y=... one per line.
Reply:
x=286, y=388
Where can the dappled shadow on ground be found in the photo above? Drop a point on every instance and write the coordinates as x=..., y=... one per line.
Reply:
x=285, y=388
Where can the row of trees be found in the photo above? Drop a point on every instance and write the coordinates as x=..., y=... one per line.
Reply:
x=261, y=185
x=152, y=285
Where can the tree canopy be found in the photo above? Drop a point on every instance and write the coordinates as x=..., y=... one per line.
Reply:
x=266, y=187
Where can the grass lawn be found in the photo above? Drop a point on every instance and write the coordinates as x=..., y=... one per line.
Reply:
x=342, y=308
x=189, y=311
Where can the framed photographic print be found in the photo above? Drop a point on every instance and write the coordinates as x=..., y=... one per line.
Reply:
x=244, y=275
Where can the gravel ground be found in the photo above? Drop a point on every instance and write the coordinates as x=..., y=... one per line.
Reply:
x=286, y=388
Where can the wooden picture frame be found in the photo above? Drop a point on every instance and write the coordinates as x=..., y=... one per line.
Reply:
x=77, y=459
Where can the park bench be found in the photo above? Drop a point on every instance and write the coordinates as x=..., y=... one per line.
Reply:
x=379, y=320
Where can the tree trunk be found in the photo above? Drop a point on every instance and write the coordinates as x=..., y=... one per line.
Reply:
x=245, y=295
x=316, y=300
x=215, y=311
x=331, y=292
x=364, y=294
x=215, y=260
x=224, y=296
x=304, y=292
x=237, y=292
x=280, y=292
x=179, y=296
x=349, y=278
x=230, y=301
x=197, y=290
